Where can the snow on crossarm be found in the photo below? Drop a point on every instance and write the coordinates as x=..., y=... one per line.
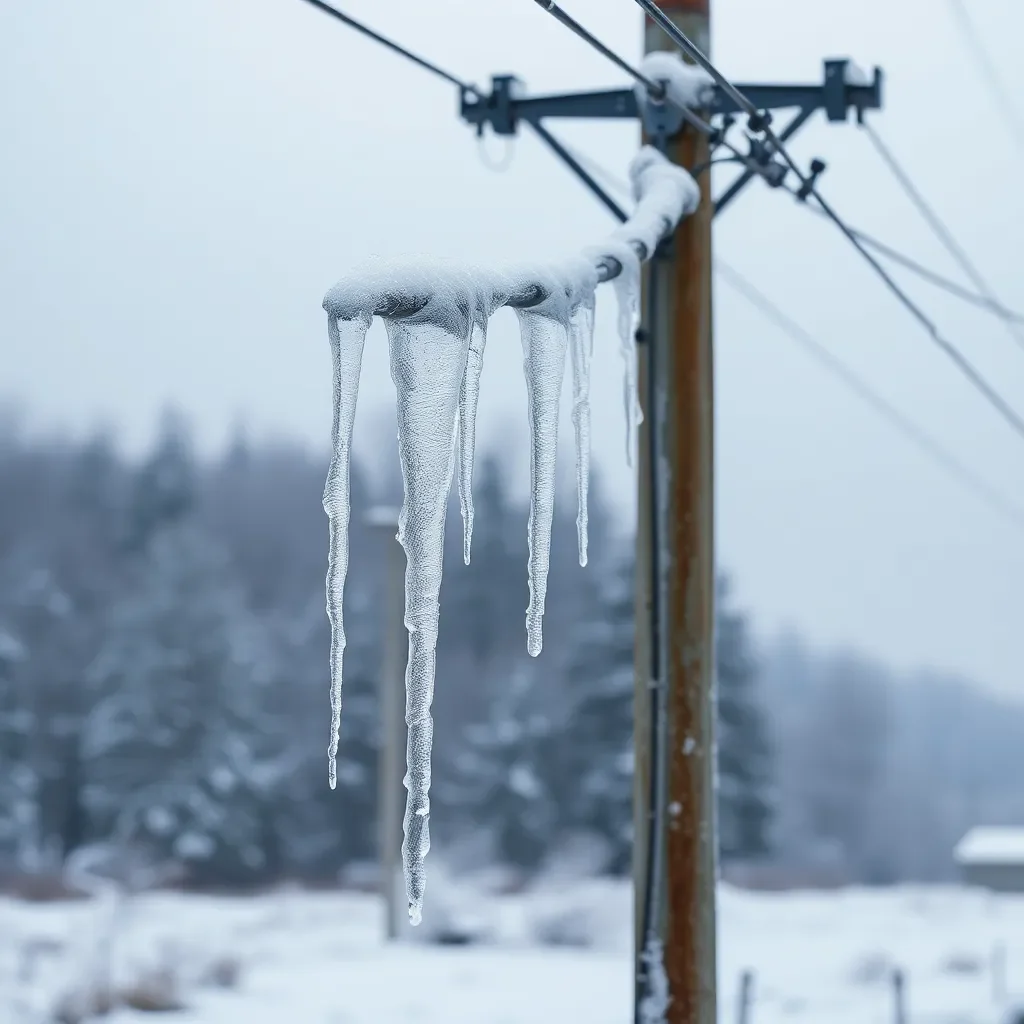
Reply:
x=436, y=314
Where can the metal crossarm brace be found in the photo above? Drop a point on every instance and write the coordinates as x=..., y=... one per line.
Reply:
x=506, y=106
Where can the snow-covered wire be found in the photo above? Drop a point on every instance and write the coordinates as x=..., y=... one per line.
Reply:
x=889, y=412
x=370, y=33
x=939, y=228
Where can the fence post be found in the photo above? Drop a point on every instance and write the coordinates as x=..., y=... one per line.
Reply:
x=746, y=997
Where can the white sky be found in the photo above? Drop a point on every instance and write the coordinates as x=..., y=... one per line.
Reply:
x=181, y=181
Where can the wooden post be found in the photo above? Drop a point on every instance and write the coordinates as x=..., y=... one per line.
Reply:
x=899, y=995
x=391, y=690
x=675, y=857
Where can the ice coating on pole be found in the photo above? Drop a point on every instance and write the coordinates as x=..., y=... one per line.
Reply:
x=347, y=337
x=581, y=352
x=436, y=315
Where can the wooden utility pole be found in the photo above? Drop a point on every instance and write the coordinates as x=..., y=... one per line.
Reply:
x=675, y=858
x=391, y=690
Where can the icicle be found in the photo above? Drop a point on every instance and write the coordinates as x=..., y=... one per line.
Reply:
x=347, y=337
x=627, y=292
x=428, y=365
x=581, y=349
x=469, y=396
x=544, y=335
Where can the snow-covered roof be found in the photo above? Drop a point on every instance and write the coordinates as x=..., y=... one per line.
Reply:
x=991, y=845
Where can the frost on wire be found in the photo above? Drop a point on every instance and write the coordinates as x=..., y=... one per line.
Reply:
x=436, y=315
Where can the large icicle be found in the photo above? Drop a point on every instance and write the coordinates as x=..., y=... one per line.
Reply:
x=347, y=337
x=428, y=361
x=469, y=397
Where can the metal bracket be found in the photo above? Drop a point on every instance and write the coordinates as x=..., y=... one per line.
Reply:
x=840, y=92
x=843, y=89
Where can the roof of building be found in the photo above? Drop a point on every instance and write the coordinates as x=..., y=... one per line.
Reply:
x=991, y=845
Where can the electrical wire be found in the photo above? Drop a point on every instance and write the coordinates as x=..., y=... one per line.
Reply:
x=839, y=369
x=655, y=88
x=939, y=228
x=997, y=309
x=347, y=19
x=808, y=187
x=997, y=87
x=889, y=412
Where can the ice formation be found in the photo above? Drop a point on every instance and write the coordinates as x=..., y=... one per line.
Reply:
x=436, y=315
x=685, y=84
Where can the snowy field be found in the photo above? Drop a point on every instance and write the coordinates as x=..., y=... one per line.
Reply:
x=319, y=958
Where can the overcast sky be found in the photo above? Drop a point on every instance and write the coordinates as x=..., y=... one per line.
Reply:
x=181, y=181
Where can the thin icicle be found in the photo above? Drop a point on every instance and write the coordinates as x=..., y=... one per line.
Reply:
x=627, y=292
x=469, y=397
x=581, y=349
x=347, y=338
x=428, y=364
x=544, y=334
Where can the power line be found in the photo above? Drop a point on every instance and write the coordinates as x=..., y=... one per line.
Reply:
x=656, y=89
x=760, y=123
x=393, y=46
x=1000, y=92
x=997, y=309
x=939, y=228
x=892, y=415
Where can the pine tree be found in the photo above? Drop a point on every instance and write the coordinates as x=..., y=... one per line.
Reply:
x=595, y=777
x=503, y=774
x=175, y=745
x=744, y=754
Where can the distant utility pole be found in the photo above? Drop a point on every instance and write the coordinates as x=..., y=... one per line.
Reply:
x=675, y=869
x=391, y=692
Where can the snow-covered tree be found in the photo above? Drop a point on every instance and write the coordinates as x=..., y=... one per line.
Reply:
x=744, y=750
x=504, y=772
x=175, y=742
x=595, y=777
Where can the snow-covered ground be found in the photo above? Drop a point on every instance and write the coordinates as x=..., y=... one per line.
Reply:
x=556, y=955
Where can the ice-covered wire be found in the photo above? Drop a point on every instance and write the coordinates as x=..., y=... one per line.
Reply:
x=370, y=33
x=979, y=51
x=939, y=228
x=889, y=412
x=656, y=89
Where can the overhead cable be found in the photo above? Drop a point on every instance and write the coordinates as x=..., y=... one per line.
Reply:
x=997, y=86
x=370, y=33
x=939, y=228
x=889, y=412
x=809, y=188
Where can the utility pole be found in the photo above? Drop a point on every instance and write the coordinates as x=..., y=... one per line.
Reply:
x=675, y=855
x=391, y=690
